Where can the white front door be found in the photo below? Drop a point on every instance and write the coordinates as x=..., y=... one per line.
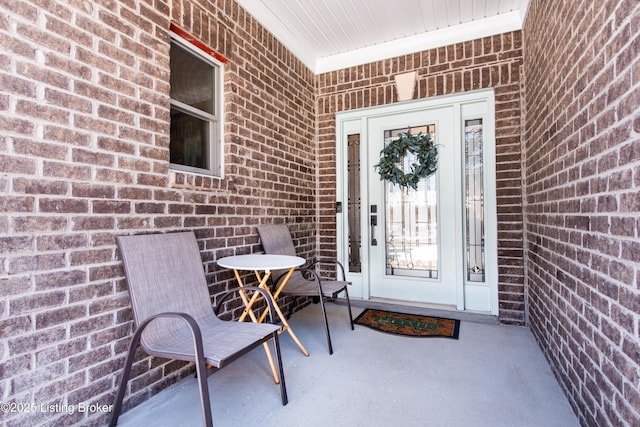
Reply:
x=412, y=254
x=436, y=244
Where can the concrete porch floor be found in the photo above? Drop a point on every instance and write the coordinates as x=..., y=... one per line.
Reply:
x=493, y=375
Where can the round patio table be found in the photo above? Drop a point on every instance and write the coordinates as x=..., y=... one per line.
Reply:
x=262, y=265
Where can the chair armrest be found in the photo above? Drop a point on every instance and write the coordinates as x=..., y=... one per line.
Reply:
x=135, y=342
x=315, y=277
x=191, y=322
x=328, y=261
x=267, y=297
x=195, y=333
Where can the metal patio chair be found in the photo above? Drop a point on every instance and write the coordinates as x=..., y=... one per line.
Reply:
x=305, y=281
x=173, y=314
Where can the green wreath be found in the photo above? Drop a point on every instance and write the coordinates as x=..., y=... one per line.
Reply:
x=422, y=146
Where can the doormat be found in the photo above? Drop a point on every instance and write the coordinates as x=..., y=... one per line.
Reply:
x=411, y=325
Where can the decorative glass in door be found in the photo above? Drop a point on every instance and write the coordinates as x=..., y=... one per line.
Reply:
x=411, y=226
x=474, y=200
x=354, y=203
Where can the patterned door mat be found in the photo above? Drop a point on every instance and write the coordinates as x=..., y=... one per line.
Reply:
x=411, y=325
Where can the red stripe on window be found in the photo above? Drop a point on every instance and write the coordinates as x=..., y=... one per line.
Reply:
x=196, y=42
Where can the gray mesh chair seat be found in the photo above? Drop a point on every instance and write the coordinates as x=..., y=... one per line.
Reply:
x=173, y=315
x=299, y=286
x=276, y=239
x=220, y=339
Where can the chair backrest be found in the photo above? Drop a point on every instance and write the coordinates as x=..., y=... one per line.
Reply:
x=276, y=239
x=165, y=274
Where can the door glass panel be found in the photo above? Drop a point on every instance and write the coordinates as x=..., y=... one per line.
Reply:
x=474, y=200
x=411, y=229
x=353, y=203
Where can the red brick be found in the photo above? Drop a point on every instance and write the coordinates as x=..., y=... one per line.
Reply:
x=581, y=139
x=101, y=137
x=36, y=302
x=59, y=316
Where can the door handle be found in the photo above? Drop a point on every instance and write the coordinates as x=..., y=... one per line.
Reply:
x=373, y=209
x=374, y=222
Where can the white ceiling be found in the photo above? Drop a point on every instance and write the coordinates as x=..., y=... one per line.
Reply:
x=329, y=35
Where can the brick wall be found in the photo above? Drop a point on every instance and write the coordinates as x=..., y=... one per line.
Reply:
x=582, y=185
x=84, y=125
x=84, y=113
x=492, y=62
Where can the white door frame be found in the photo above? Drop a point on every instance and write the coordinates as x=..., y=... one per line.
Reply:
x=469, y=296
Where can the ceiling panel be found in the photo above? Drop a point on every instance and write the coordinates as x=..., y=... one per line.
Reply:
x=429, y=17
x=333, y=34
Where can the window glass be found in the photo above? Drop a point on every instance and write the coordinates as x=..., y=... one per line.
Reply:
x=354, y=208
x=196, y=128
x=474, y=200
x=412, y=224
x=192, y=80
x=189, y=140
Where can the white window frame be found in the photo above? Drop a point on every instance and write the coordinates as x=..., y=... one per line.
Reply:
x=216, y=122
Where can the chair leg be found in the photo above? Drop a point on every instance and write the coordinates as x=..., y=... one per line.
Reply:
x=117, y=406
x=283, y=387
x=346, y=294
x=200, y=368
x=205, y=401
x=291, y=307
x=326, y=324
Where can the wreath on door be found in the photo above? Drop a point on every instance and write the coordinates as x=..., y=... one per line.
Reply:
x=392, y=156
